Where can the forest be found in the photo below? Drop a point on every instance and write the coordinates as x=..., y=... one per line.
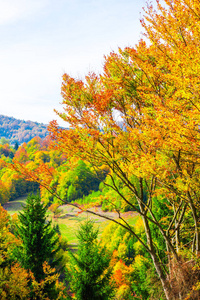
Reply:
x=132, y=145
x=20, y=131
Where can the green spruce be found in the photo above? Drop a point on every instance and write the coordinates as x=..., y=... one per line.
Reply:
x=39, y=240
x=89, y=274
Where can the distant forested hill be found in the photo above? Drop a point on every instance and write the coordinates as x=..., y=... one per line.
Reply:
x=20, y=131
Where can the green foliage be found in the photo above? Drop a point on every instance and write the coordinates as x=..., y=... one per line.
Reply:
x=94, y=197
x=115, y=237
x=72, y=193
x=81, y=181
x=164, y=213
x=39, y=241
x=109, y=199
x=89, y=272
x=74, y=180
x=20, y=187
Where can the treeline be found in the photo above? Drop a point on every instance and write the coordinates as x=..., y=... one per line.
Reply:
x=71, y=179
x=12, y=185
x=20, y=131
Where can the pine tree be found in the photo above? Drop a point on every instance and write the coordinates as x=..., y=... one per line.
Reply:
x=39, y=241
x=16, y=146
x=89, y=272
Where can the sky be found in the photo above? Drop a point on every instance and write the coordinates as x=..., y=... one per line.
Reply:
x=43, y=39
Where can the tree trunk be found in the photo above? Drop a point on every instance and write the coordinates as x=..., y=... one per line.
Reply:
x=196, y=225
x=162, y=277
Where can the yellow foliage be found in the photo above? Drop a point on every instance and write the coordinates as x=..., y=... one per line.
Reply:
x=39, y=287
x=123, y=292
x=139, y=226
x=139, y=261
x=122, y=250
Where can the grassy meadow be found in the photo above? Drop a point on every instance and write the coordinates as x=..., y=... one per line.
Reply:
x=70, y=220
x=15, y=206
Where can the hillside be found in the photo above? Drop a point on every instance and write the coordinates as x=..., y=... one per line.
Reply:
x=20, y=131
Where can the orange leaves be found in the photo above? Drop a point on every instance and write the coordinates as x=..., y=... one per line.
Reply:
x=4, y=218
x=79, y=212
x=72, y=89
x=42, y=174
x=122, y=278
x=14, y=283
x=18, y=282
x=152, y=89
x=103, y=102
x=118, y=277
x=21, y=154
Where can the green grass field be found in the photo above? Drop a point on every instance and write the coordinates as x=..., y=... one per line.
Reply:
x=15, y=206
x=69, y=221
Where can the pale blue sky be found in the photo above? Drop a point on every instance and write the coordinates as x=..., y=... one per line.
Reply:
x=42, y=39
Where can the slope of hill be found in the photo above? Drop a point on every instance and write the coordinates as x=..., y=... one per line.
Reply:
x=20, y=131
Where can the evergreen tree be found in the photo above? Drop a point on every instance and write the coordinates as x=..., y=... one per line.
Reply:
x=16, y=146
x=39, y=241
x=89, y=272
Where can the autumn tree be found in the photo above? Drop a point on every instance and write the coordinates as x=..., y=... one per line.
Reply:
x=3, y=193
x=13, y=278
x=21, y=153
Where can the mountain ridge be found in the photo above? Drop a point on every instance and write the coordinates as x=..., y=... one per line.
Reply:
x=20, y=131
